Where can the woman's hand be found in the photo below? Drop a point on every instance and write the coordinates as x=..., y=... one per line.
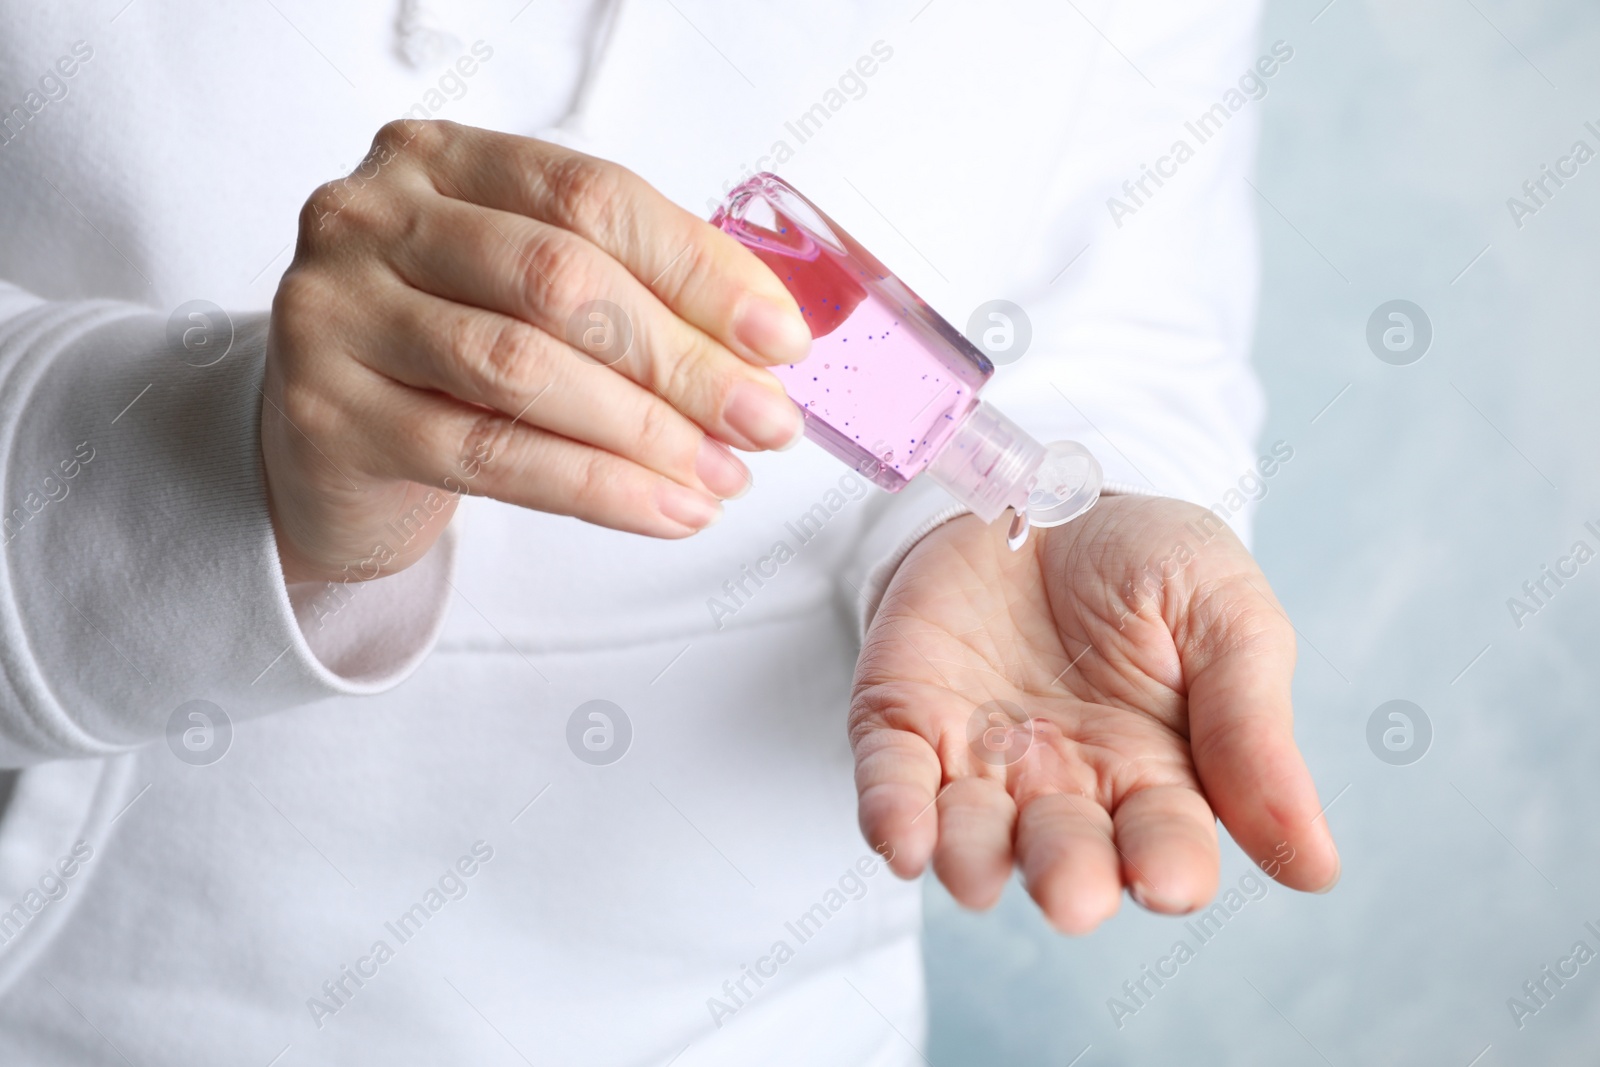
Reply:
x=1085, y=709
x=438, y=333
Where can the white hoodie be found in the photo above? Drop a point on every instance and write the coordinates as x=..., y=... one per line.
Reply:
x=400, y=858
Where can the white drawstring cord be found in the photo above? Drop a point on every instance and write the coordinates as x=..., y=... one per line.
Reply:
x=605, y=21
x=421, y=39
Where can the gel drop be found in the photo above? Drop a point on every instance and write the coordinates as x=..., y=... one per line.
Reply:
x=890, y=387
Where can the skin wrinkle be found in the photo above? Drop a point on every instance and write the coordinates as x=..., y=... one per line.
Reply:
x=408, y=261
x=890, y=609
x=1120, y=680
x=582, y=196
x=1216, y=635
x=1116, y=778
x=697, y=261
x=979, y=640
x=1023, y=636
x=1117, y=689
x=1093, y=751
x=304, y=407
x=876, y=748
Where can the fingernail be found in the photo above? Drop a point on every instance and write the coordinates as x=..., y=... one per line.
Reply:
x=1155, y=902
x=683, y=505
x=766, y=417
x=1337, y=874
x=774, y=332
x=720, y=470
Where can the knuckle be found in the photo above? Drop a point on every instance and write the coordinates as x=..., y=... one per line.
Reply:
x=585, y=192
x=487, y=437
x=556, y=275
x=686, y=267
x=685, y=376
x=296, y=290
x=594, y=478
x=322, y=211
x=672, y=375
x=306, y=401
x=337, y=210
x=501, y=363
x=419, y=137
x=657, y=429
x=299, y=309
x=308, y=408
x=352, y=203
x=304, y=360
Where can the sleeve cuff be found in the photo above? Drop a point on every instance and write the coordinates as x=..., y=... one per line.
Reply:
x=140, y=570
x=369, y=635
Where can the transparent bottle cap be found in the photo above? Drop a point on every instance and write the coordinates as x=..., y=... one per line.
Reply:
x=988, y=463
x=1067, y=485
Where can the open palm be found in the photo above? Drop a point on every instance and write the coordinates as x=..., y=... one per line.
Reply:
x=1085, y=709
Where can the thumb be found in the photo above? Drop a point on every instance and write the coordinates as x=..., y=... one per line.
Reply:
x=1238, y=659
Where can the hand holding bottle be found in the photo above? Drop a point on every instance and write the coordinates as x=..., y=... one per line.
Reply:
x=473, y=311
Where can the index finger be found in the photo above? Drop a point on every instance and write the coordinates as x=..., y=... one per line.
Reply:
x=706, y=277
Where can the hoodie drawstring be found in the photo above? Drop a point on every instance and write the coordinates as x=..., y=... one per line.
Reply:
x=421, y=39
x=424, y=41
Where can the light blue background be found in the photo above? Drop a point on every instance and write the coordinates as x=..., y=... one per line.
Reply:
x=1414, y=507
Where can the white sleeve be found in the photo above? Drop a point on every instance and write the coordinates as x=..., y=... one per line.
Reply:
x=140, y=569
x=1140, y=347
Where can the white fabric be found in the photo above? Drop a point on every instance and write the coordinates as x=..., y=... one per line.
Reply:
x=424, y=722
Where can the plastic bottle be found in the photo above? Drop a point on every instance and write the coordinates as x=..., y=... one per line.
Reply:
x=890, y=387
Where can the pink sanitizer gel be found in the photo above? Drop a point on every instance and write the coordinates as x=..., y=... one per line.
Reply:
x=890, y=387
